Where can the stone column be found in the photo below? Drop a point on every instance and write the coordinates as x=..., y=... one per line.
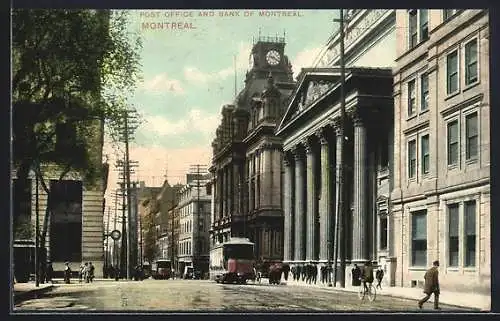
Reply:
x=311, y=200
x=258, y=180
x=288, y=209
x=220, y=193
x=299, y=254
x=230, y=190
x=360, y=237
x=250, y=183
x=325, y=209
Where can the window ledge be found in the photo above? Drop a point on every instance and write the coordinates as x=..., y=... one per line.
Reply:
x=453, y=269
x=471, y=161
x=472, y=85
x=422, y=112
x=452, y=167
x=453, y=94
x=469, y=269
x=411, y=117
x=417, y=268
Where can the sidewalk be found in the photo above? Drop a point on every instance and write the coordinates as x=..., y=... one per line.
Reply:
x=460, y=299
x=24, y=291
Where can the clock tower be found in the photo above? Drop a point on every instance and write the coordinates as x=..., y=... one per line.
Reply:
x=268, y=55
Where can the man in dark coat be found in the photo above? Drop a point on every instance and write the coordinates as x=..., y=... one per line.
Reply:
x=323, y=273
x=356, y=274
x=286, y=270
x=294, y=272
x=48, y=272
x=367, y=275
x=379, y=275
x=431, y=278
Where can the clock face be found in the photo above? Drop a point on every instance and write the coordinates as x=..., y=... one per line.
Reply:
x=273, y=57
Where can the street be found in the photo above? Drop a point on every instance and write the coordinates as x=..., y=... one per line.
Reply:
x=208, y=296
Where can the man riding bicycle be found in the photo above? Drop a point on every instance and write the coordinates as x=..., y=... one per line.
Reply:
x=367, y=275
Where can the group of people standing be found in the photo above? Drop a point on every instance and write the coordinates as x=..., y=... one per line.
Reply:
x=86, y=272
x=308, y=272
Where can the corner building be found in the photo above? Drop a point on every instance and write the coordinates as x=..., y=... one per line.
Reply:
x=441, y=195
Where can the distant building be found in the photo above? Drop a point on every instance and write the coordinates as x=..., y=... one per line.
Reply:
x=194, y=223
x=441, y=195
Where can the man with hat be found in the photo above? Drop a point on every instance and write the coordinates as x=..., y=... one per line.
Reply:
x=431, y=278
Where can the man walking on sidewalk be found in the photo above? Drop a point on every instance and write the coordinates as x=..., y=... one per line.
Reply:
x=379, y=275
x=431, y=286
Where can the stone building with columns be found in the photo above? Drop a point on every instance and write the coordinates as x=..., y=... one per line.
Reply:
x=246, y=164
x=441, y=195
x=311, y=132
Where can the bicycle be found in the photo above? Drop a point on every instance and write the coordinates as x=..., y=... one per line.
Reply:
x=370, y=291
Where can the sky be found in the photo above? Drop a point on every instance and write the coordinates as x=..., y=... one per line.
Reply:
x=189, y=74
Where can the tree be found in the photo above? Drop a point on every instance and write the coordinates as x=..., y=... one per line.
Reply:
x=72, y=72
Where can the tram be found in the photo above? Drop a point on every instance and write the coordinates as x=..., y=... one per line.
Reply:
x=233, y=261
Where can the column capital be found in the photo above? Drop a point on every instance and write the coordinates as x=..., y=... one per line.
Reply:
x=309, y=144
x=338, y=126
x=357, y=115
x=323, y=135
x=298, y=151
x=287, y=158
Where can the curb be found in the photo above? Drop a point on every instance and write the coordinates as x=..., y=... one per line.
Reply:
x=394, y=295
x=31, y=294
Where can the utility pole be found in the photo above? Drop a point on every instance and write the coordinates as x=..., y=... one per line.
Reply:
x=114, y=258
x=129, y=126
x=37, y=231
x=340, y=217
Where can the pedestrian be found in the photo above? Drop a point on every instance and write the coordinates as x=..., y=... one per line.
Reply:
x=367, y=275
x=91, y=272
x=49, y=271
x=314, y=271
x=431, y=286
x=379, y=275
x=286, y=271
x=299, y=271
x=67, y=273
x=356, y=275
x=80, y=272
x=294, y=272
x=85, y=272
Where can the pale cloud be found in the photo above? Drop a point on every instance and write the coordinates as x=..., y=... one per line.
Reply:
x=196, y=121
x=155, y=163
x=195, y=75
x=305, y=58
x=161, y=83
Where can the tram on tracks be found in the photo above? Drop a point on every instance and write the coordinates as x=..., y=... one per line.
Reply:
x=233, y=261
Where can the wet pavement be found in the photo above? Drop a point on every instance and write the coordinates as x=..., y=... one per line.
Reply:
x=208, y=296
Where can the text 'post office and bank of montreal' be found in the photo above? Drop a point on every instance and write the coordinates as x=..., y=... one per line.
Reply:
x=183, y=23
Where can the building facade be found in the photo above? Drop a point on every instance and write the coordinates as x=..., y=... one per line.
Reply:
x=441, y=195
x=246, y=163
x=194, y=224
x=75, y=225
x=312, y=133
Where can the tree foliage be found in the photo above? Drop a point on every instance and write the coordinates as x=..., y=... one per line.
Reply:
x=72, y=72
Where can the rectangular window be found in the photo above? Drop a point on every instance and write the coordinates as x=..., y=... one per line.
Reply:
x=383, y=233
x=419, y=238
x=452, y=72
x=470, y=233
x=447, y=13
x=412, y=102
x=424, y=141
x=413, y=32
x=412, y=158
x=424, y=92
x=471, y=133
x=453, y=142
x=453, y=242
x=424, y=24
x=471, y=62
